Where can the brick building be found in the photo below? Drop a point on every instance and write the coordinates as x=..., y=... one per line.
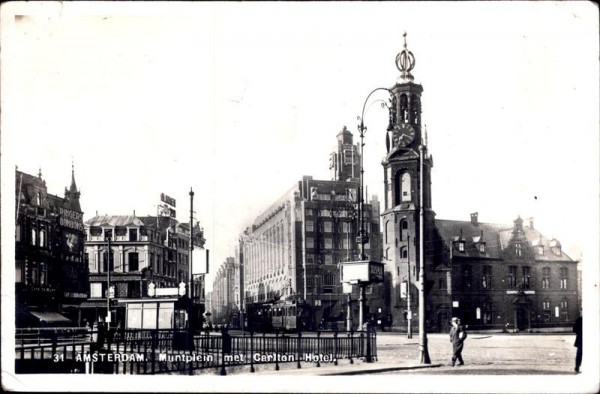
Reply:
x=493, y=276
x=51, y=274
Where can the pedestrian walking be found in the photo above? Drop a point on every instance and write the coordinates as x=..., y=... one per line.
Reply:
x=457, y=337
x=578, y=330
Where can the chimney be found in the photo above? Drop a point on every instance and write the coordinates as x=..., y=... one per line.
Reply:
x=474, y=216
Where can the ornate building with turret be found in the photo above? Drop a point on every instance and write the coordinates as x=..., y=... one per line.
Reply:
x=492, y=276
x=51, y=273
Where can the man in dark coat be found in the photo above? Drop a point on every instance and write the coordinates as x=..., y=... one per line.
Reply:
x=578, y=330
x=457, y=337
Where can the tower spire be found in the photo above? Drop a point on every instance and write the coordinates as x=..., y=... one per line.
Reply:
x=405, y=62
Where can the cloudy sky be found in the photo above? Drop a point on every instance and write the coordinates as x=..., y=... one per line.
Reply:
x=238, y=101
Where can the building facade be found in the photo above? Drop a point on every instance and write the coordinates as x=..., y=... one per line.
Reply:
x=51, y=275
x=143, y=250
x=493, y=276
x=225, y=295
x=293, y=250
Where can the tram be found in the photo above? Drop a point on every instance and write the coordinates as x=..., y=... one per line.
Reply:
x=279, y=316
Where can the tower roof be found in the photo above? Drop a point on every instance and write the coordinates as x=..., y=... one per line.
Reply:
x=405, y=62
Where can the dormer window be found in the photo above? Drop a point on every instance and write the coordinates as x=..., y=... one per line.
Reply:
x=482, y=247
x=539, y=250
x=518, y=250
x=461, y=246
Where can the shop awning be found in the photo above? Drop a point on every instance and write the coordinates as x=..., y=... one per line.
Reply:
x=51, y=317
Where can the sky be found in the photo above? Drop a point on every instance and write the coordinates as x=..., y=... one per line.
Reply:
x=238, y=101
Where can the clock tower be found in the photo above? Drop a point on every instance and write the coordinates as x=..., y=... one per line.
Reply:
x=407, y=183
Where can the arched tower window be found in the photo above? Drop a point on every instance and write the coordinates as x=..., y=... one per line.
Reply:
x=403, y=109
x=414, y=109
x=404, y=253
x=403, y=230
x=405, y=187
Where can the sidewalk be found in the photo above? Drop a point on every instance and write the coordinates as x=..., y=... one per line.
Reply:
x=344, y=367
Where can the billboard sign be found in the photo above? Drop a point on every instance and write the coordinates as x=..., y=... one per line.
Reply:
x=362, y=271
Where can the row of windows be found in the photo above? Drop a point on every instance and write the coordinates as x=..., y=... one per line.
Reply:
x=328, y=227
x=36, y=237
x=515, y=277
x=34, y=274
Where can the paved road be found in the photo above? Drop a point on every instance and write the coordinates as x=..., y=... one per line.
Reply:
x=495, y=354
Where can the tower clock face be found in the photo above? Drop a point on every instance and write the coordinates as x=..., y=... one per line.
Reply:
x=405, y=134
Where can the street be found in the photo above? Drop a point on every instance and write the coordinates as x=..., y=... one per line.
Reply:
x=489, y=354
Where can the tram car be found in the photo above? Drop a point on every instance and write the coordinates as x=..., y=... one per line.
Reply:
x=279, y=316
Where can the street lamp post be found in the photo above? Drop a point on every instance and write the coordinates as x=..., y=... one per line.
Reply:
x=422, y=334
x=363, y=236
x=108, y=314
x=408, y=311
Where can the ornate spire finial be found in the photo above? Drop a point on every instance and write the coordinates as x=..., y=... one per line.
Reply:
x=405, y=62
x=40, y=173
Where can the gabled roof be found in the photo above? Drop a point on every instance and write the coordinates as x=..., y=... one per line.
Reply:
x=496, y=238
x=453, y=230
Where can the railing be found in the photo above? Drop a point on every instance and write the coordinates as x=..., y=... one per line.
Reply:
x=173, y=351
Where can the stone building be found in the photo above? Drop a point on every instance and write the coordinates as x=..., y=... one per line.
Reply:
x=143, y=250
x=51, y=275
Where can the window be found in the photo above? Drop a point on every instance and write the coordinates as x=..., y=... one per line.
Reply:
x=18, y=233
x=512, y=277
x=105, y=267
x=467, y=277
x=42, y=238
x=120, y=231
x=546, y=311
x=95, y=290
x=329, y=280
x=324, y=212
x=310, y=242
x=108, y=233
x=39, y=198
x=546, y=278
x=442, y=283
x=403, y=229
x=486, y=282
x=488, y=312
x=539, y=250
x=33, y=237
x=133, y=261
x=482, y=247
x=310, y=225
x=43, y=274
x=525, y=278
x=518, y=250
x=405, y=188
x=461, y=246
x=328, y=259
x=564, y=309
x=564, y=277
x=404, y=253
x=133, y=234
x=95, y=231
x=327, y=227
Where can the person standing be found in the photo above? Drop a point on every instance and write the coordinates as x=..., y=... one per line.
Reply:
x=578, y=330
x=457, y=337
